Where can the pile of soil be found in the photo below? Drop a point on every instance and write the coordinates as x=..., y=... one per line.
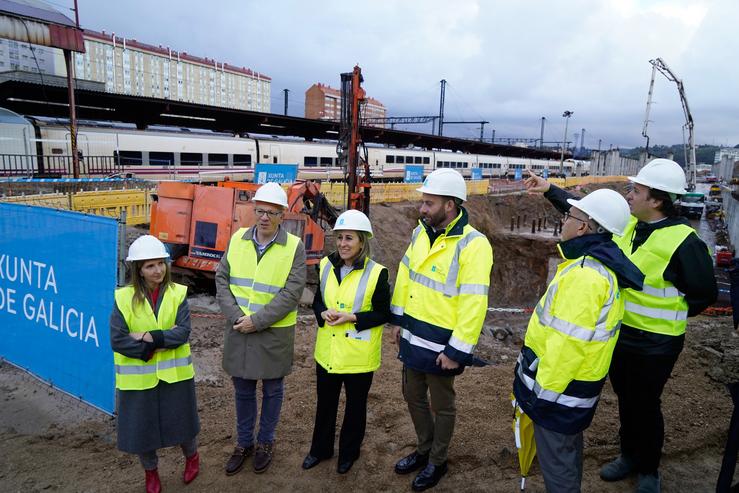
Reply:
x=48, y=442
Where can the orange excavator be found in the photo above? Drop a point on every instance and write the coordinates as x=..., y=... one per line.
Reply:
x=197, y=221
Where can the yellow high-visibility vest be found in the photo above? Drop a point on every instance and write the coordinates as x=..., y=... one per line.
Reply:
x=169, y=365
x=660, y=307
x=568, y=346
x=340, y=348
x=253, y=283
x=441, y=290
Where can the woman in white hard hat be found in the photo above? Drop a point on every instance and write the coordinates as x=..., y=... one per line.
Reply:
x=154, y=375
x=351, y=307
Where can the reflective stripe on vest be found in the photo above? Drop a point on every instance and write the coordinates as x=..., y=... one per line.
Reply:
x=255, y=283
x=550, y=395
x=170, y=365
x=340, y=348
x=660, y=307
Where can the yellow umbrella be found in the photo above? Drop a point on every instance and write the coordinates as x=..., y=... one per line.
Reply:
x=523, y=431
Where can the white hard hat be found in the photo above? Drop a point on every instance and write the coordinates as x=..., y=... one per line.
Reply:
x=271, y=193
x=353, y=220
x=662, y=174
x=445, y=181
x=146, y=247
x=607, y=208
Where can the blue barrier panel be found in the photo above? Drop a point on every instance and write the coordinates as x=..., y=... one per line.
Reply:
x=413, y=174
x=545, y=173
x=476, y=173
x=278, y=173
x=518, y=174
x=57, y=277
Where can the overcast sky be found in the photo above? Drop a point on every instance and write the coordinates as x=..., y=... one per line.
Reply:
x=508, y=62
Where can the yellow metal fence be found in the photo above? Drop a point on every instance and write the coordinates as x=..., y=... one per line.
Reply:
x=137, y=203
x=392, y=192
x=109, y=203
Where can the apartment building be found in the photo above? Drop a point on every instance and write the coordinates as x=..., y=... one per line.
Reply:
x=323, y=102
x=127, y=66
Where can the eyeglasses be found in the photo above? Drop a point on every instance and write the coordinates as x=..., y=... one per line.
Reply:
x=568, y=216
x=270, y=214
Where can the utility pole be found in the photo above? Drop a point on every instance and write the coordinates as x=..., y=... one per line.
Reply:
x=482, y=126
x=441, y=107
x=599, y=141
x=567, y=114
x=286, y=91
x=541, y=134
x=492, y=139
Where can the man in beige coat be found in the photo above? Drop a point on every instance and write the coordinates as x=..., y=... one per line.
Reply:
x=259, y=282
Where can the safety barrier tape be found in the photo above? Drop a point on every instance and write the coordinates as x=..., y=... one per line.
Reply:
x=511, y=310
x=207, y=315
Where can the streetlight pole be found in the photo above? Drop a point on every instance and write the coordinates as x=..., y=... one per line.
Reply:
x=567, y=114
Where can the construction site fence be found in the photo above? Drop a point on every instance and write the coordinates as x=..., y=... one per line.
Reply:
x=137, y=202
x=108, y=203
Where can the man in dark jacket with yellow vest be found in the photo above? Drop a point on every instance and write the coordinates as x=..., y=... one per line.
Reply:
x=440, y=300
x=679, y=283
x=571, y=335
x=259, y=283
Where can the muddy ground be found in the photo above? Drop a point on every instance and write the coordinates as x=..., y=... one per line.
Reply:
x=50, y=443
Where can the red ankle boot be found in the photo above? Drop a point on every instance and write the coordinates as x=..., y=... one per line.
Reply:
x=153, y=485
x=192, y=468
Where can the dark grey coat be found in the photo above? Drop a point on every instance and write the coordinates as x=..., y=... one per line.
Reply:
x=268, y=352
x=167, y=414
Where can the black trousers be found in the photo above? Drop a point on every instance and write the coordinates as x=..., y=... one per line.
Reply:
x=732, y=445
x=328, y=386
x=638, y=381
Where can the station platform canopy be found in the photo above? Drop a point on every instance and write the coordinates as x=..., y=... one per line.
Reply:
x=35, y=99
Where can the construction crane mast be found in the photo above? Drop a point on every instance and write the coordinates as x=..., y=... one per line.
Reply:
x=689, y=149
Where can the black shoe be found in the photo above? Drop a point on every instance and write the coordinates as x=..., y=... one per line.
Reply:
x=310, y=461
x=263, y=456
x=343, y=466
x=411, y=463
x=236, y=461
x=429, y=477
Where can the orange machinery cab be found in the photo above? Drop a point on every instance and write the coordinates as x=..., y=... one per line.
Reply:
x=197, y=222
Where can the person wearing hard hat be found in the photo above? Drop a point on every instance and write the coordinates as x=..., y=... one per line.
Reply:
x=570, y=338
x=438, y=308
x=259, y=282
x=154, y=374
x=679, y=283
x=351, y=306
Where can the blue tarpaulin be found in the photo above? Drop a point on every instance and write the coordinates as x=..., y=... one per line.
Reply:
x=57, y=277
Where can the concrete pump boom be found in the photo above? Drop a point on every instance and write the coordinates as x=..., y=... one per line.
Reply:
x=690, y=161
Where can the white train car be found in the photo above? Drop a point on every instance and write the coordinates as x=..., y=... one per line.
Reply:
x=388, y=163
x=163, y=153
x=158, y=155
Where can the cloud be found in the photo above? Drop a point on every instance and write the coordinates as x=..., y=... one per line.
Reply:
x=507, y=62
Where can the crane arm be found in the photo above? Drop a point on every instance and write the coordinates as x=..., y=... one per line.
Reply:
x=690, y=160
